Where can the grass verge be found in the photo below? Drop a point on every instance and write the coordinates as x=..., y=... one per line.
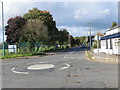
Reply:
x=89, y=54
x=22, y=55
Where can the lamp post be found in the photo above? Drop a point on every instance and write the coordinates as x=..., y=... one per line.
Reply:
x=3, y=29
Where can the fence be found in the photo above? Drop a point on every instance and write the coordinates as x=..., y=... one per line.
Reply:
x=23, y=48
x=28, y=48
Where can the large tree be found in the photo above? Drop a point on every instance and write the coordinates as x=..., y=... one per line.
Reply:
x=47, y=19
x=34, y=32
x=14, y=28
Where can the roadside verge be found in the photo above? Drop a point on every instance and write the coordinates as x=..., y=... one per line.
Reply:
x=90, y=56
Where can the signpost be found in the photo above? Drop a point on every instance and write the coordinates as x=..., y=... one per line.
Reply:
x=12, y=48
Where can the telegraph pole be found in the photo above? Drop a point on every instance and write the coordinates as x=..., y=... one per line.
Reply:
x=97, y=44
x=89, y=25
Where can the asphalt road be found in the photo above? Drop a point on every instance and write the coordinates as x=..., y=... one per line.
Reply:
x=71, y=70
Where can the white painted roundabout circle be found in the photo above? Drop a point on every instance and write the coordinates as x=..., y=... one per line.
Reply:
x=40, y=66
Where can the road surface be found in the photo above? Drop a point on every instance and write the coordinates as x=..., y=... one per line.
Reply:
x=69, y=69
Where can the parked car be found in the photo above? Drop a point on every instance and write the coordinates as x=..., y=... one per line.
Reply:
x=83, y=46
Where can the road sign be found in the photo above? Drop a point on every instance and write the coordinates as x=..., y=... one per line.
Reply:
x=12, y=48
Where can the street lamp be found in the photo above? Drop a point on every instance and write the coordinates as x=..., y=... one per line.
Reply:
x=3, y=29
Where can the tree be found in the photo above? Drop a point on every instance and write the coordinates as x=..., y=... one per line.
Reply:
x=47, y=19
x=72, y=40
x=13, y=29
x=34, y=32
x=113, y=24
x=63, y=36
x=80, y=40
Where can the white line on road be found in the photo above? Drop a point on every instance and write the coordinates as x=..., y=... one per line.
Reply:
x=40, y=66
x=65, y=67
x=72, y=57
x=66, y=57
x=69, y=57
x=36, y=62
x=13, y=70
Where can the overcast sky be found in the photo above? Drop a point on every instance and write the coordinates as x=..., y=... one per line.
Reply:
x=74, y=16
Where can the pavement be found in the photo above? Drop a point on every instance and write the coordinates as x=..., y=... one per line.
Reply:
x=68, y=69
x=106, y=57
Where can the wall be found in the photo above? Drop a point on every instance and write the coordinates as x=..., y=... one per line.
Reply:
x=115, y=46
x=116, y=30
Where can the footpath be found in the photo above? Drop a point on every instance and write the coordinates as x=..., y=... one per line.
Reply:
x=103, y=57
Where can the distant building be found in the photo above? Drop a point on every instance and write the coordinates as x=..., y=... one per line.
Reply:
x=110, y=43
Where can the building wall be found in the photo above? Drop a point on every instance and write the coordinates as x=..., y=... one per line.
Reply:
x=116, y=30
x=115, y=46
x=103, y=45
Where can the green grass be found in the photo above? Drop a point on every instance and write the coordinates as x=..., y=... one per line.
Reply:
x=89, y=54
x=0, y=53
x=22, y=55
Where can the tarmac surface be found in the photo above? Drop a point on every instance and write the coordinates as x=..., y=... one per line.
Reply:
x=68, y=69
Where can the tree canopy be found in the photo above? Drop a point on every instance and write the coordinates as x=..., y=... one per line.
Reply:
x=47, y=19
x=13, y=29
x=113, y=24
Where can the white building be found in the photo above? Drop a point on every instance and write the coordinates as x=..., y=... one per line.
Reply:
x=110, y=43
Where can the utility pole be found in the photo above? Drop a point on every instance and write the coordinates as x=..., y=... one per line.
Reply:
x=3, y=29
x=97, y=44
x=89, y=25
x=69, y=40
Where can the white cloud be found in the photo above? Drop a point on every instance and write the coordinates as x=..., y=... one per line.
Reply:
x=82, y=31
x=77, y=14
x=84, y=11
x=76, y=31
x=105, y=12
x=80, y=12
x=77, y=17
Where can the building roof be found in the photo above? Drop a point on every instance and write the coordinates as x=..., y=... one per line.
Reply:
x=116, y=35
x=113, y=28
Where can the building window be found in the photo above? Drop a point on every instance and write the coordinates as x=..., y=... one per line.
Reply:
x=106, y=44
x=111, y=46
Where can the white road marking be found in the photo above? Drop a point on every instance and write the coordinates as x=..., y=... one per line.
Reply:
x=65, y=67
x=13, y=70
x=72, y=57
x=66, y=57
x=36, y=62
x=69, y=57
x=40, y=66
